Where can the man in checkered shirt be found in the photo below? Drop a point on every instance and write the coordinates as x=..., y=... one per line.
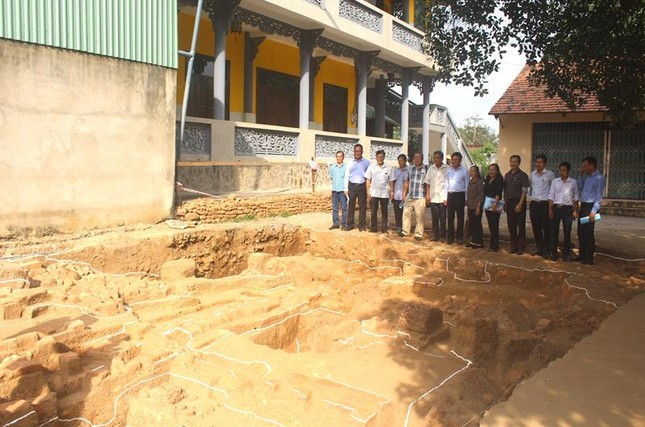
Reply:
x=415, y=189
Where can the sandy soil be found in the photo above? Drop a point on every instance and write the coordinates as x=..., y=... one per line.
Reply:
x=280, y=322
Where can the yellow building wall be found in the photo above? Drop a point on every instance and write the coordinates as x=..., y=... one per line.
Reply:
x=272, y=55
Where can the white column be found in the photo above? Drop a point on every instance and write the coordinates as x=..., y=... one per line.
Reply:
x=362, y=96
x=425, y=141
x=406, y=81
x=219, y=79
x=306, y=50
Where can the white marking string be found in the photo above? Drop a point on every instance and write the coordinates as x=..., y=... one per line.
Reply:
x=17, y=420
x=441, y=384
x=586, y=291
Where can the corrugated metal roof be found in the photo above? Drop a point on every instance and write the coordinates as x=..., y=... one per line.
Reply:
x=137, y=30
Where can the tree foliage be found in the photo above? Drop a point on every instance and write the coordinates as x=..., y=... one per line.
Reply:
x=577, y=48
x=475, y=133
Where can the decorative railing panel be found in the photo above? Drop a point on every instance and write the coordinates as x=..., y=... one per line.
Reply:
x=392, y=149
x=316, y=2
x=406, y=36
x=197, y=139
x=265, y=142
x=362, y=15
x=327, y=146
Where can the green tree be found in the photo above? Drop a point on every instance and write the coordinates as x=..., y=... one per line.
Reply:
x=575, y=48
x=483, y=156
x=475, y=134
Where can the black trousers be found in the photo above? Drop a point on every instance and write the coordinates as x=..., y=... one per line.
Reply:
x=516, y=225
x=586, y=238
x=541, y=224
x=357, y=191
x=475, y=226
x=438, y=211
x=561, y=214
x=374, y=204
x=398, y=214
x=493, y=226
x=456, y=204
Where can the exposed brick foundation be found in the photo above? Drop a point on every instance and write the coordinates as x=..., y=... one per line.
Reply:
x=221, y=210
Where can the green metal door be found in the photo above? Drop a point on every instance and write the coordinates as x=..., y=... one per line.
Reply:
x=569, y=142
x=626, y=178
x=620, y=153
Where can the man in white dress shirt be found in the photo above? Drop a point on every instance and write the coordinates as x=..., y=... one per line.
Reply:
x=563, y=207
x=377, y=178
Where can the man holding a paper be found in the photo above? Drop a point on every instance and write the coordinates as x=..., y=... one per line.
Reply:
x=592, y=187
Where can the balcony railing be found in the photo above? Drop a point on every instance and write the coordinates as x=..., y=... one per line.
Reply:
x=208, y=140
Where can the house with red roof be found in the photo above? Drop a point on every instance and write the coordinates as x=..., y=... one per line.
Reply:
x=530, y=123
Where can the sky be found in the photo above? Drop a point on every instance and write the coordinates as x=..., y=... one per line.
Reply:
x=461, y=102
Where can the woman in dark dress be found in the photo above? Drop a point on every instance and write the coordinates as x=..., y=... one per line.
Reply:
x=493, y=188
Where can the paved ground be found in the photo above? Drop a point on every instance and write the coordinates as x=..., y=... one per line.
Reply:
x=601, y=382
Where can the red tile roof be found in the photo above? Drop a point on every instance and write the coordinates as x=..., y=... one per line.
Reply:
x=522, y=98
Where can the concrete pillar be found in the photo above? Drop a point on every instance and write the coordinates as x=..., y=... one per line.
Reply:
x=406, y=81
x=221, y=22
x=306, y=44
x=251, y=46
x=219, y=78
x=381, y=94
x=425, y=141
x=362, y=64
x=361, y=90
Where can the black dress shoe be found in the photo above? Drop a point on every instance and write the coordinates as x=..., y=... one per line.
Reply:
x=349, y=228
x=587, y=262
x=519, y=253
x=334, y=227
x=554, y=257
x=450, y=242
x=492, y=249
x=536, y=253
x=401, y=234
x=460, y=242
x=514, y=251
x=362, y=229
x=575, y=258
x=469, y=245
x=372, y=230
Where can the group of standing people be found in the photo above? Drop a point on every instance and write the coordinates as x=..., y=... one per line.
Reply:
x=450, y=190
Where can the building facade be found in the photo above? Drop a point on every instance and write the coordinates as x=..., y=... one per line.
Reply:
x=87, y=112
x=277, y=82
x=531, y=123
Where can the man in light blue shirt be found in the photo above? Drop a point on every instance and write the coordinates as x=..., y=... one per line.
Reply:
x=592, y=188
x=337, y=173
x=457, y=179
x=356, y=188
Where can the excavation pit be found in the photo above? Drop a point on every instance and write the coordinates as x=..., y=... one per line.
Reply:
x=281, y=325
